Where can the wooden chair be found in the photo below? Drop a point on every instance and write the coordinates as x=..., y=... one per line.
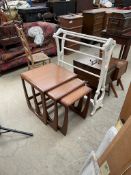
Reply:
x=121, y=67
x=35, y=59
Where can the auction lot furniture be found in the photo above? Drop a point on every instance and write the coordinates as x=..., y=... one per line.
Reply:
x=120, y=69
x=106, y=45
x=93, y=21
x=83, y=5
x=61, y=7
x=119, y=23
x=121, y=63
x=101, y=21
x=126, y=108
x=124, y=40
x=74, y=23
x=122, y=3
x=32, y=14
x=13, y=55
x=53, y=82
x=114, y=160
x=92, y=81
x=33, y=59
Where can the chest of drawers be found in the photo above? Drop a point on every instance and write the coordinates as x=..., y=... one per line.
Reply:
x=72, y=23
x=93, y=22
x=119, y=23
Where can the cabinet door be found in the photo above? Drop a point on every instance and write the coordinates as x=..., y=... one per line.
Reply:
x=83, y=5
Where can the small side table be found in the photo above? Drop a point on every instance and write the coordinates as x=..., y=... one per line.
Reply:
x=124, y=40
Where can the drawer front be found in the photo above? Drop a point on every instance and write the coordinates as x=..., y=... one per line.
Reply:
x=68, y=23
x=99, y=21
x=91, y=80
x=97, y=33
x=97, y=27
x=98, y=16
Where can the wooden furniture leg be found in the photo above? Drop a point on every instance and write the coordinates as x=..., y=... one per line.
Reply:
x=70, y=99
x=64, y=127
x=119, y=82
x=37, y=109
x=113, y=89
x=54, y=123
x=26, y=95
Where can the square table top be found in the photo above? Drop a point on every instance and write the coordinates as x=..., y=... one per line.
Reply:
x=48, y=76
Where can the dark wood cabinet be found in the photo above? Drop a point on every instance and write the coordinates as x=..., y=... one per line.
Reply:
x=72, y=23
x=119, y=23
x=93, y=22
x=83, y=5
x=122, y=3
x=61, y=7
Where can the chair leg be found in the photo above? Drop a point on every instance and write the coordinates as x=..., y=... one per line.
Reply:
x=113, y=89
x=109, y=89
x=121, y=85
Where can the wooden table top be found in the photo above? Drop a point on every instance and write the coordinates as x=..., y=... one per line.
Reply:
x=47, y=77
x=107, y=10
x=124, y=35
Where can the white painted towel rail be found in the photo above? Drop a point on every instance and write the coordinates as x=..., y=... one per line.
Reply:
x=106, y=46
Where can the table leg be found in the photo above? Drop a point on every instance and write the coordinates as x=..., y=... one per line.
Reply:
x=26, y=95
x=126, y=50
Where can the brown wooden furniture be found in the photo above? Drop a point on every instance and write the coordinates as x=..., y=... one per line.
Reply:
x=33, y=59
x=93, y=22
x=72, y=23
x=83, y=5
x=122, y=3
x=8, y=35
x=124, y=40
x=43, y=82
x=44, y=79
x=67, y=94
x=91, y=80
x=121, y=64
x=59, y=7
x=126, y=108
x=119, y=23
x=118, y=154
x=120, y=69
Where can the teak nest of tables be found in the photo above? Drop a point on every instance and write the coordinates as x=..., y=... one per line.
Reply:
x=53, y=83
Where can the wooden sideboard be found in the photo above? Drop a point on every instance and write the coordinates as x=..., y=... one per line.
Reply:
x=95, y=20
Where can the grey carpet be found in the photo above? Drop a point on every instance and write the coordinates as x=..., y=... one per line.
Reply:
x=49, y=152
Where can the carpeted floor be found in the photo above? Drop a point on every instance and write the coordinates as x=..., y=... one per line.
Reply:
x=49, y=152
